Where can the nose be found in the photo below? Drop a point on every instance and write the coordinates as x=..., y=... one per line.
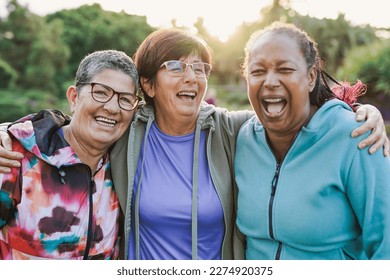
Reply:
x=112, y=105
x=271, y=79
x=189, y=74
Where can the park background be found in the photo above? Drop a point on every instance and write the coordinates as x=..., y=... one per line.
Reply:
x=39, y=54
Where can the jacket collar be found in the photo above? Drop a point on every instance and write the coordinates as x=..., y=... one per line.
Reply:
x=40, y=135
x=204, y=118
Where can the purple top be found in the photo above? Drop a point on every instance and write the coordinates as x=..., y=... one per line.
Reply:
x=165, y=200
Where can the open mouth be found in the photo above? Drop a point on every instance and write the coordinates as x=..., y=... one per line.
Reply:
x=187, y=95
x=274, y=106
x=106, y=122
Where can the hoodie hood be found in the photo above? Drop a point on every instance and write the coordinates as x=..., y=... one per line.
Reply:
x=206, y=110
x=322, y=116
x=40, y=134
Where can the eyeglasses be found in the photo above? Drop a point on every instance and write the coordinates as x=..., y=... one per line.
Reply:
x=103, y=93
x=177, y=68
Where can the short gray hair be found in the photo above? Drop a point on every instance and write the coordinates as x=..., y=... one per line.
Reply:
x=98, y=61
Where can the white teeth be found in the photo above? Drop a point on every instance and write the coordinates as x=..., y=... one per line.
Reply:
x=273, y=100
x=191, y=94
x=106, y=122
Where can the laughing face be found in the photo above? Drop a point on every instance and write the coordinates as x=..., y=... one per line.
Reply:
x=177, y=99
x=99, y=125
x=279, y=83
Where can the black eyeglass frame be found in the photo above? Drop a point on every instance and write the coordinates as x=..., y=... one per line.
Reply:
x=137, y=98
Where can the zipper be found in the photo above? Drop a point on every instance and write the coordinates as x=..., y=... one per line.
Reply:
x=90, y=218
x=90, y=236
x=278, y=252
x=274, y=185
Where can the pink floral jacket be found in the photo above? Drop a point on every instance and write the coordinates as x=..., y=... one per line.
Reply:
x=53, y=207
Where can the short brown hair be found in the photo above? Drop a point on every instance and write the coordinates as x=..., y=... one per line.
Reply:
x=163, y=45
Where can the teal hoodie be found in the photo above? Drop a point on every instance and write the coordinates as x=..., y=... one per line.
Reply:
x=326, y=200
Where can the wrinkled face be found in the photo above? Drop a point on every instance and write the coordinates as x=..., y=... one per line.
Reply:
x=279, y=83
x=100, y=124
x=178, y=97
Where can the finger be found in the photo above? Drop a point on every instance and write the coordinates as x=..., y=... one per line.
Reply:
x=376, y=146
x=9, y=155
x=373, y=122
x=9, y=163
x=361, y=114
x=5, y=170
x=386, y=148
x=365, y=127
x=375, y=137
x=6, y=141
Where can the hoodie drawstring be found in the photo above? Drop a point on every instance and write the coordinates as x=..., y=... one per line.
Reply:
x=194, y=208
x=137, y=196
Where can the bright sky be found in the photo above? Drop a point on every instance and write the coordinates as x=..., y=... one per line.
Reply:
x=221, y=17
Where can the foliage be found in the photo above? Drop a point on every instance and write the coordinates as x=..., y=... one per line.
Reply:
x=8, y=75
x=334, y=38
x=32, y=48
x=371, y=65
x=388, y=130
x=15, y=104
x=90, y=28
x=40, y=55
x=232, y=96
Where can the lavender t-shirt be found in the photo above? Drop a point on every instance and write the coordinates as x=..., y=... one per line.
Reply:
x=165, y=200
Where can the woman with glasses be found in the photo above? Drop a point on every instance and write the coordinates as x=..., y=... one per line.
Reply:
x=173, y=171
x=61, y=203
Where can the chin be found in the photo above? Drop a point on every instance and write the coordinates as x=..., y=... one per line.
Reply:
x=106, y=138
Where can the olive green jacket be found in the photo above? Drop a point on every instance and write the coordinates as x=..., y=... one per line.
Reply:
x=221, y=130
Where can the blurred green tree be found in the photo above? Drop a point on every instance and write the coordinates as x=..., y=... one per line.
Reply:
x=39, y=55
x=32, y=48
x=90, y=28
x=371, y=65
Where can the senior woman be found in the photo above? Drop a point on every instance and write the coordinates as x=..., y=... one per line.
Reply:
x=303, y=192
x=61, y=203
x=173, y=171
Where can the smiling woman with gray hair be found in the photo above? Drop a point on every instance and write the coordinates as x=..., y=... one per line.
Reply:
x=61, y=203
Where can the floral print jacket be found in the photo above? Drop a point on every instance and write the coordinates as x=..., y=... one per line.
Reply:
x=53, y=207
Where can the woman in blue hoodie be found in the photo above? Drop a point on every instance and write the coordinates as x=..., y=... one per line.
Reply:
x=303, y=193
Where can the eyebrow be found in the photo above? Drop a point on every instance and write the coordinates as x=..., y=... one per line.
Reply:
x=278, y=63
x=284, y=61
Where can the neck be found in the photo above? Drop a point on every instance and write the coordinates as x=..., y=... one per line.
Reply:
x=88, y=154
x=176, y=127
x=280, y=144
